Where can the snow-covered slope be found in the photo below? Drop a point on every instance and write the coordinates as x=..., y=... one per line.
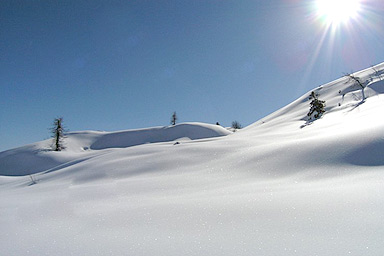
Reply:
x=282, y=186
x=38, y=157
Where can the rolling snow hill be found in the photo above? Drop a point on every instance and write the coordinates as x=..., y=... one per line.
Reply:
x=284, y=185
x=38, y=157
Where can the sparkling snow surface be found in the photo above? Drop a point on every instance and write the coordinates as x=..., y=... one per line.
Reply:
x=282, y=186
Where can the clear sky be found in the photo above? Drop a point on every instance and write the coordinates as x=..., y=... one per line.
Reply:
x=115, y=65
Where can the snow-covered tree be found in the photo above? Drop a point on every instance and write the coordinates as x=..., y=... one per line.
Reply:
x=317, y=107
x=58, y=134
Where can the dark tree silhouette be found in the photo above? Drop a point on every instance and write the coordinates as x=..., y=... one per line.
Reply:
x=236, y=125
x=317, y=106
x=173, y=118
x=58, y=134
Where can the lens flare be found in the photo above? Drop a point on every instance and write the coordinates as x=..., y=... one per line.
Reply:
x=336, y=12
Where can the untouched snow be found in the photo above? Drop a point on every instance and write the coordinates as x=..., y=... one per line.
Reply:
x=39, y=157
x=281, y=186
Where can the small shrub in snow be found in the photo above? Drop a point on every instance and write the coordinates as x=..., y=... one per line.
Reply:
x=317, y=107
x=236, y=125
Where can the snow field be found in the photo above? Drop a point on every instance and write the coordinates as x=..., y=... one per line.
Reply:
x=282, y=186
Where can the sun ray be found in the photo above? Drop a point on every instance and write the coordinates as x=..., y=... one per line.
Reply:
x=314, y=58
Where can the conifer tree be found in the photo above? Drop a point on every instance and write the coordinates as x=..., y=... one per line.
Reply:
x=317, y=107
x=173, y=118
x=58, y=134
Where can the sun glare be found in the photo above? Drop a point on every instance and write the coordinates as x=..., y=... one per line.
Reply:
x=335, y=12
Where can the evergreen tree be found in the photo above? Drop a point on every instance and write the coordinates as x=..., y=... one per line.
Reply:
x=173, y=118
x=58, y=134
x=317, y=107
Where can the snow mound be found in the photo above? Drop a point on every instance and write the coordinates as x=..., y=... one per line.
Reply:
x=39, y=157
x=192, y=131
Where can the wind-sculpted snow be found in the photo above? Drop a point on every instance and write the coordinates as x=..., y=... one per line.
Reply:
x=39, y=157
x=281, y=186
x=368, y=154
x=190, y=131
x=25, y=161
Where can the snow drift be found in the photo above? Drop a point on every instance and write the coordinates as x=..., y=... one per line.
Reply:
x=39, y=157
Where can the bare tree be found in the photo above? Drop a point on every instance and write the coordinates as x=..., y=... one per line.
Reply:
x=58, y=134
x=356, y=81
x=173, y=118
x=377, y=73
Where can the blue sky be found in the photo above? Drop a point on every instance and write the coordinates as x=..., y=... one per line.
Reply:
x=114, y=65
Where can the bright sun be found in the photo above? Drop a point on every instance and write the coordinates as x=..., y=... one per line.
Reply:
x=335, y=12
